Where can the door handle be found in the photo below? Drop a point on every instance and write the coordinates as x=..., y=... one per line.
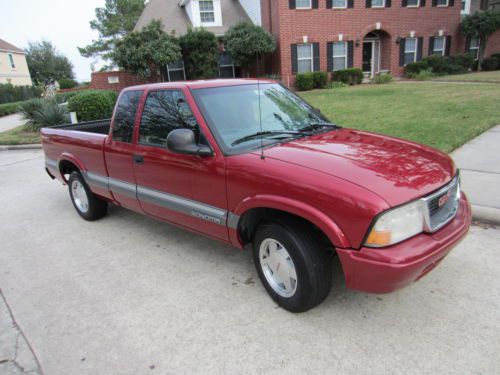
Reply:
x=138, y=159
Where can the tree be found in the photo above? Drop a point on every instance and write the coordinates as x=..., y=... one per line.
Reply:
x=200, y=54
x=113, y=22
x=142, y=52
x=46, y=64
x=247, y=43
x=482, y=25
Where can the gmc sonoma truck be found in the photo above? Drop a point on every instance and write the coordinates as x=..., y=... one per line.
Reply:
x=248, y=162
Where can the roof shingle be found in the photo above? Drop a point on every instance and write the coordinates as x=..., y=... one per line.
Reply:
x=5, y=46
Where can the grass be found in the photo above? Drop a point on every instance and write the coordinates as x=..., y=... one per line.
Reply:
x=441, y=115
x=19, y=136
x=473, y=77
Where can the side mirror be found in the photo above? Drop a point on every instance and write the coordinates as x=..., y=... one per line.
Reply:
x=182, y=141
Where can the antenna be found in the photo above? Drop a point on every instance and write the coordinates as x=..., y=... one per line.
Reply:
x=260, y=112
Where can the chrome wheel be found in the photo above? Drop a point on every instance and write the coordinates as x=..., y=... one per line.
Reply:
x=278, y=267
x=79, y=196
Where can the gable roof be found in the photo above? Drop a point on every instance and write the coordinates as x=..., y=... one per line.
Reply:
x=174, y=17
x=4, y=46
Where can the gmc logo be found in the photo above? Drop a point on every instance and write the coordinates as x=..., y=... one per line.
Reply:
x=444, y=199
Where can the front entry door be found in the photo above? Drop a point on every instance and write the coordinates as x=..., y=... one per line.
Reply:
x=188, y=190
x=367, y=57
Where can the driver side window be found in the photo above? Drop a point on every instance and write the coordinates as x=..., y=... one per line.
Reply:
x=164, y=111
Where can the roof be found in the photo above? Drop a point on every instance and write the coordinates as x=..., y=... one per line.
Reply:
x=5, y=46
x=201, y=84
x=174, y=17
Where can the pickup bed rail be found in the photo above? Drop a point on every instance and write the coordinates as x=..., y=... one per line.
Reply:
x=98, y=126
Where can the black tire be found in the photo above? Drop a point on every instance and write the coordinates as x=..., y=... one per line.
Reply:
x=310, y=259
x=97, y=207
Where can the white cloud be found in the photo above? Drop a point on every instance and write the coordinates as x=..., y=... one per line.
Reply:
x=63, y=22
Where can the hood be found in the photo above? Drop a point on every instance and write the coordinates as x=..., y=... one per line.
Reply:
x=397, y=170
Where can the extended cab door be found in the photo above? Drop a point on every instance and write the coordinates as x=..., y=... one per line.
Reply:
x=188, y=190
x=119, y=148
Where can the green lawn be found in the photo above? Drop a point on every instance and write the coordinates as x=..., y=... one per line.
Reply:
x=473, y=77
x=441, y=115
x=19, y=136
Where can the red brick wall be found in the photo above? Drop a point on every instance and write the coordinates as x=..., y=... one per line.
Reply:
x=323, y=25
x=493, y=44
x=99, y=81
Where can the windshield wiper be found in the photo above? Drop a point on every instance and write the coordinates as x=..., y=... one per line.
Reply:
x=264, y=133
x=318, y=125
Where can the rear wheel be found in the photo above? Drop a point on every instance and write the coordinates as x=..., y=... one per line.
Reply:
x=87, y=204
x=292, y=264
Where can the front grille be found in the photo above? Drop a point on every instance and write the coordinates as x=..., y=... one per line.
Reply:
x=442, y=206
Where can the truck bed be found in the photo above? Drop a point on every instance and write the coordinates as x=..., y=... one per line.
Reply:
x=82, y=142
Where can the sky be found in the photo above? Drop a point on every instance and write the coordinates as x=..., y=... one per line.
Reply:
x=63, y=22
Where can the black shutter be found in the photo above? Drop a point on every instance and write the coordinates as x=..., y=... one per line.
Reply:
x=368, y=3
x=434, y=3
x=431, y=45
x=291, y=4
x=350, y=3
x=315, y=4
x=387, y=3
x=295, y=62
x=329, y=57
x=447, y=46
x=329, y=4
x=350, y=54
x=316, y=60
x=402, y=52
x=404, y=3
x=420, y=48
x=451, y=3
x=422, y=3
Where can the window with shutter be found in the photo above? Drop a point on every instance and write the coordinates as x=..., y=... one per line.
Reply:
x=339, y=56
x=442, y=3
x=378, y=3
x=304, y=58
x=303, y=4
x=439, y=45
x=410, y=50
x=339, y=4
x=412, y=3
x=474, y=47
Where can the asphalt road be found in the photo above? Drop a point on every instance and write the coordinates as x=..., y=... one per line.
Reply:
x=130, y=295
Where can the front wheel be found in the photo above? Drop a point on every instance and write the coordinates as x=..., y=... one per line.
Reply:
x=292, y=264
x=87, y=204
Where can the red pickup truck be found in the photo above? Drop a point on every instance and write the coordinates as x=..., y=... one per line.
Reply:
x=248, y=162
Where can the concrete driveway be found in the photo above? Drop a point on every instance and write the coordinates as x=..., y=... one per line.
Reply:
x=11, y=122
x=130, y=295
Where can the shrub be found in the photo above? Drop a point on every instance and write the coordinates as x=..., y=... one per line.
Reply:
x=465, y=60
x=63, y=97
x=496, y=56
x=8, y=109
x=200, y=53
x=336, y=85
x=440, y=65
x=413, y=69
x=43, y=113
x=424, y=75
x=67, y=83
x=10, y=93
x=382, y=78
x=320, y=79
x=304, y=81
x=490, y=63
x=350, y=76
x=92, y=105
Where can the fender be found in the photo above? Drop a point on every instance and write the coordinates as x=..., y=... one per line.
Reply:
x=66, y=156
x=301, y=209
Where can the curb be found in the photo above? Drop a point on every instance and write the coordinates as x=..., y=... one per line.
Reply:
x=21, y=147
x=486, y=215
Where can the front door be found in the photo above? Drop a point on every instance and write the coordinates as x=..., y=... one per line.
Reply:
x=367, y=58
x=188, y=190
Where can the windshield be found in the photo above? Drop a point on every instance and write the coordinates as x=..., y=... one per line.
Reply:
x=232, y=112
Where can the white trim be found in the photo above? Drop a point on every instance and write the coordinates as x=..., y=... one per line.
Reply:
x=475, y=48
x=413, y=51
x=343, y=7
x=176, y=70
x=442, y=51
x=10, y=51
x=311, y=59
x=375, y=42
x=413, y=6
x=302, y=7
x=339, y=56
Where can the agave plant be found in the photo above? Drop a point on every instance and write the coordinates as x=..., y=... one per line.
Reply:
x=42, y=113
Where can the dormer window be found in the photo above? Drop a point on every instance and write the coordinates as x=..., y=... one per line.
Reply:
x=207, y=13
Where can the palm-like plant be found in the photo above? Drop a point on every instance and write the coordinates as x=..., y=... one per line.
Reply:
x=42, y=113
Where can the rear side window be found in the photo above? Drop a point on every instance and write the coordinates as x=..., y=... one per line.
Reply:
x=164, y=111
x=126, y=111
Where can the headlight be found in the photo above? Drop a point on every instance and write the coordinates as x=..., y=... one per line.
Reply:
x=397, y=225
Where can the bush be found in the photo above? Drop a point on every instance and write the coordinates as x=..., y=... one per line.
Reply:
x=63, y=97
x=93, y=105
x=304, y=81
x=43, y=113
x=424, y=75
x=8, y=109
x=490, y=63
x=413, y=69
x=351, y=76
x=67, y=83
x=320, y=79
x=465, y=60
x=382, y=78
x=438, y=65
x=200, y=53
x=10, y=93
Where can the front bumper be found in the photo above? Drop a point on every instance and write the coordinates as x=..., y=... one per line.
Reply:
x=388, y=269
